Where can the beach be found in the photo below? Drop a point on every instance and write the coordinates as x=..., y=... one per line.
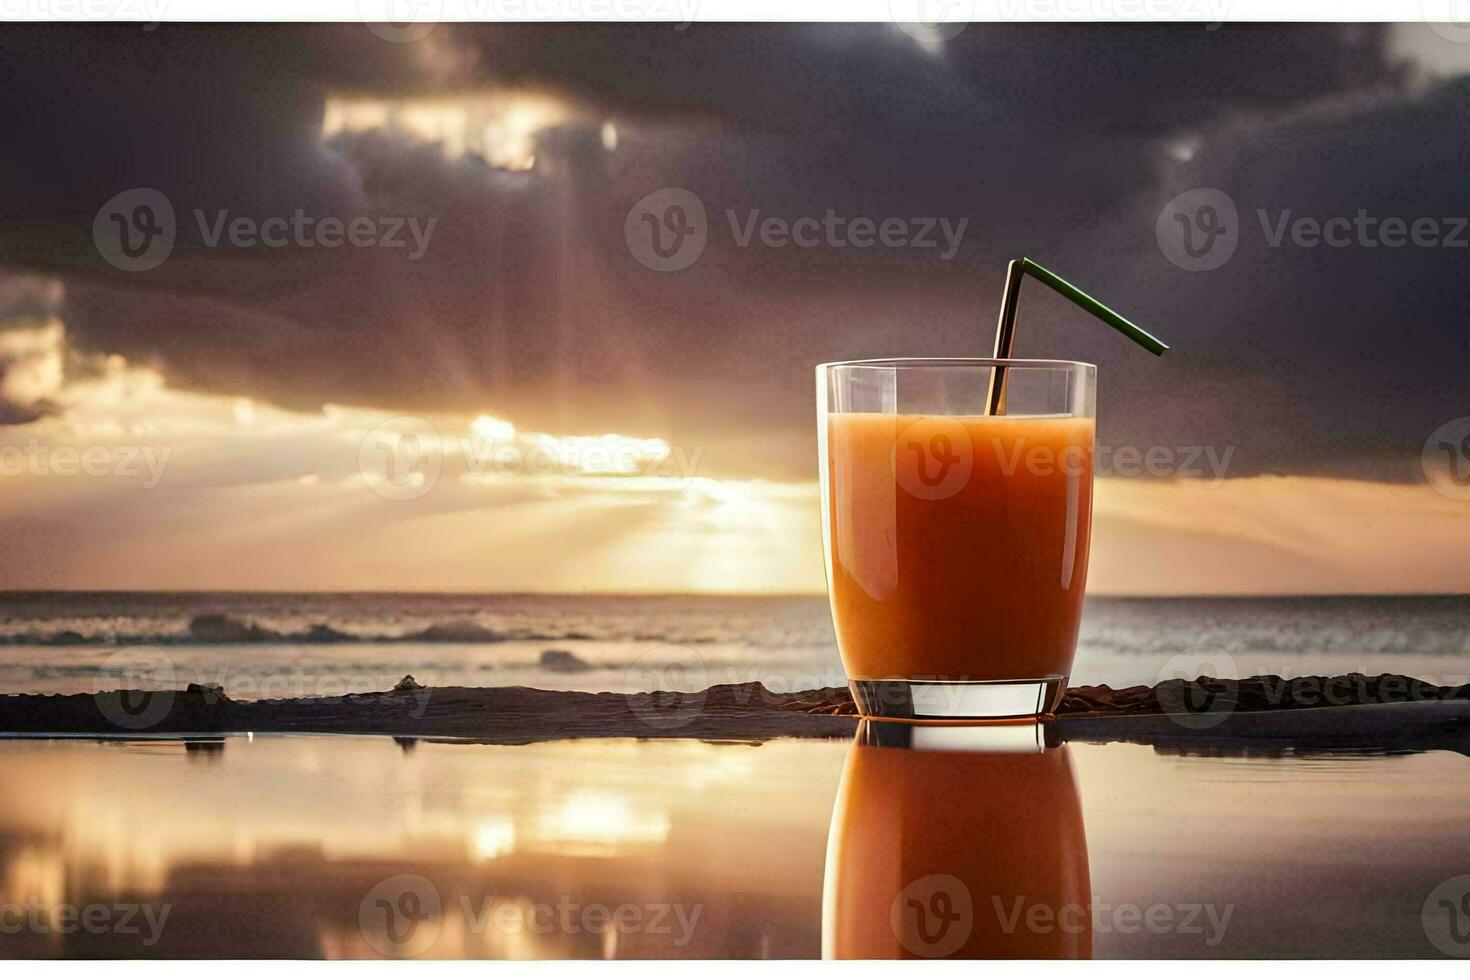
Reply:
x=364, y=813
x=640, y=483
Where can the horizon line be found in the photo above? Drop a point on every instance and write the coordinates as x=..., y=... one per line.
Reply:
x=610, y=594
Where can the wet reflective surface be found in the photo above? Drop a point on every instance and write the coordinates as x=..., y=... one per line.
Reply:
x=347, y=847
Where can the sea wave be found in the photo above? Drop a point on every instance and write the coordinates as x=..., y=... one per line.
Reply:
x=761, y=627
x=216, y=628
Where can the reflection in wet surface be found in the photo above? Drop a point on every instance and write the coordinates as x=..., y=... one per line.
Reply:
x=956, y=841
x=273, y=846
x=344, y=846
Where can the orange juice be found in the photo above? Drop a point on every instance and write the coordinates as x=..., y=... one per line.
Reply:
x=956, y=854
x=957, y=545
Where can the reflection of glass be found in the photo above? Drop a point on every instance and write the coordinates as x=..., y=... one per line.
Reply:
x=956, y=841
x=956, y=538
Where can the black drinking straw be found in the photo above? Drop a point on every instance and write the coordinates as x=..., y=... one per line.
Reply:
x=1005, y=327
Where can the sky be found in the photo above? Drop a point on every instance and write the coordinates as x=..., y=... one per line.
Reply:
x=498, y=381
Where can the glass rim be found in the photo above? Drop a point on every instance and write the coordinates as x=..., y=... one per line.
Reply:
x=934, y=362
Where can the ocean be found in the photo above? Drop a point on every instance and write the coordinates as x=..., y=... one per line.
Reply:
x=293, y=645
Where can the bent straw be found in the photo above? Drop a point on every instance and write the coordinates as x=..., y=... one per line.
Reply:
x=1005, y=327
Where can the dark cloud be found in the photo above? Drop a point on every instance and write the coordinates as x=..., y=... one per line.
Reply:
x=32, y=347
x=1063, y=142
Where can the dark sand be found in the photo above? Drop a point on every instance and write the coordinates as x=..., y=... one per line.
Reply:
x=1267, y=714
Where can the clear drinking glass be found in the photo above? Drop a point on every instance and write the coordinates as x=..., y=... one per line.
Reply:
x=957, y=514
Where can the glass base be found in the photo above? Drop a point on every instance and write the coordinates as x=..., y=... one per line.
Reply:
x=1010, y=736
x=958, y=700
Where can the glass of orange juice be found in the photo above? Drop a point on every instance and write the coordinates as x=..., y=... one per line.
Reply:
x=957, y=514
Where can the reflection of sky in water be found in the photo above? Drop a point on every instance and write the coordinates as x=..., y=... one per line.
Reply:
x=269, y=846
x=317, y=822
